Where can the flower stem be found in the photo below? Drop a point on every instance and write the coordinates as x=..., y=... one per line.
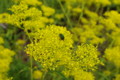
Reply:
x=31, y=61
x=68, y=19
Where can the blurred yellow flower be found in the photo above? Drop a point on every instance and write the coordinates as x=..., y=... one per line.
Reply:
x=47, y=11
x=37, y=74
x=1, y=40
x=113, y=55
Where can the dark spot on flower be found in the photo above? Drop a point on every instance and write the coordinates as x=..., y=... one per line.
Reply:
x=29, y=31
x=28, y=18
x=61, y=36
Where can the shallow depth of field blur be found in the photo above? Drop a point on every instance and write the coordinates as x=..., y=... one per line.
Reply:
x=59, y=39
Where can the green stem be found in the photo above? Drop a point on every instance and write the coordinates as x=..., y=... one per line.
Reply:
x=43, y=77
x=118, y=8
x=108, y=8
x=44, y=2
x=97, y=8
x=101, y=11
x=31, y=70
x=68, y=20
x=112, y=43
x=81, y=14
x=31, y=61
x=117, y=70
x=53, y=3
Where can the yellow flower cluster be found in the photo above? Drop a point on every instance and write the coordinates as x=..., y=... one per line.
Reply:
x=5, y=60
x=20, y=44
x=92, y=22
x=28, y=18
x=1, y=40
x=47, y=11
x=21, y=14
x=37, y=74
x=79, y=74
x=53, y=48
x=113, y=55
x=116, y=1
x=117, y=77
x=59, y=16
x=82, y=75
x=89, y=3
x=111, y=24
x=102, y=2
x=81, y=34
x=29, y=2
x=86, y=56
x=98, y=27
x=114, y=16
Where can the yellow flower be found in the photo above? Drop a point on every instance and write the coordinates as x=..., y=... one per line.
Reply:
x=77, y=10
x=47, y=11
x=113, y=55
x=91, y=15
x=82, y=75
x=81, y=34
x=20, y=42
x=114, y=16
x=51, y=20
x=59, y=16
x=28, y=18
x=103, y=2
x=29, y=2
x=84, y=20
x=1, y=40
x=87, y=56
x=5, y=60
x=51, y=46
x=109, y=24
x=117, y=2
x=117, y=77
x=79, y=74
x=37, y=74
x=5, y=18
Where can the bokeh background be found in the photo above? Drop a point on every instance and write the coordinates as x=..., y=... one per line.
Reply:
x=95, y=22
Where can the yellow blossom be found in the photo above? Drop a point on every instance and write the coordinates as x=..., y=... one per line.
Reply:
x=117, y=77
x=5, y=60
x=37, y=74
x=51, y=42
x=47, y=11
x=113, y=55
x=1, y=40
